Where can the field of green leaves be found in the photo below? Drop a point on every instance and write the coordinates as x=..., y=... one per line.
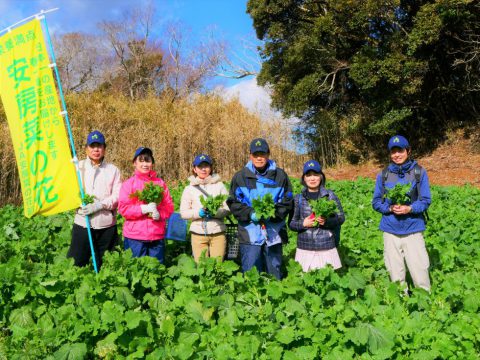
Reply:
x=137, y=308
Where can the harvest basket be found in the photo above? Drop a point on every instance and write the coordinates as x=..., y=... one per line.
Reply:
x=231, y=233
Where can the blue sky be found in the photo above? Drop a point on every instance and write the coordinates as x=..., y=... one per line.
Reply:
x=83, y=15
x=227, y=19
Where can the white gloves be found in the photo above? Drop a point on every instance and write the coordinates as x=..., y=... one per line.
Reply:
x=90, y=208
x=151, y=208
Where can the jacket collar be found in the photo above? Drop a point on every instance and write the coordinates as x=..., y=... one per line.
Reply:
x=212, y=179
x=322, y=190
x=252, y=172
x=400, y=170
x=147, y=177
x=89, y=163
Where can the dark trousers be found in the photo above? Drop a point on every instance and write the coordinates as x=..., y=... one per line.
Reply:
x=264, y=258
x=103, y=240
x=140, y=248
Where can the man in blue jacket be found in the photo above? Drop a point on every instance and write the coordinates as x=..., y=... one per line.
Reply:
x=403, y=225
x=261, y=239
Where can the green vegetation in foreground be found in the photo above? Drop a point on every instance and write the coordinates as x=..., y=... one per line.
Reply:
x=137, y=308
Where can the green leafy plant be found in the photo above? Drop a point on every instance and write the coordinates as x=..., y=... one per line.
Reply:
x=264, y=207
x=88, y=199
x=150, y=193
x=323, y=207
x=213, y=203
x=50, y=308
x=399, y=194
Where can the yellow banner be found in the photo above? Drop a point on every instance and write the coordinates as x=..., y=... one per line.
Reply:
x=27, y=88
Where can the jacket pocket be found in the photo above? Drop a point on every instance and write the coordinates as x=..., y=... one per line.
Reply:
x=131, y=227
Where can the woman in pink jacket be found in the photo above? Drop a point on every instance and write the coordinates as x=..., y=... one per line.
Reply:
x=144, y=227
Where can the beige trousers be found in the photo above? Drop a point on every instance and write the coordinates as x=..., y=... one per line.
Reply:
x=213, y=245
x=410, y=248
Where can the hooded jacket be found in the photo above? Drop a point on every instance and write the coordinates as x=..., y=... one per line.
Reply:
x=103, y=182
x=190, y=205
x=139, y=226
x=248, y=184
x=316, y=238
x=420, y=194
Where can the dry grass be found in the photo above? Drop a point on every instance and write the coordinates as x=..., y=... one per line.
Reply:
x=176, y=132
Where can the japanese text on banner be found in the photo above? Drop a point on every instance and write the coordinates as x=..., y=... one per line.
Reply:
x=27, y=88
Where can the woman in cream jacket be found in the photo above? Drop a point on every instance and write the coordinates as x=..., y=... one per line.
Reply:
x=207, y=230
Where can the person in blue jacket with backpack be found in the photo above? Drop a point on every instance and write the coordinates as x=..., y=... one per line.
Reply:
x=403, y=225
x=261, y=239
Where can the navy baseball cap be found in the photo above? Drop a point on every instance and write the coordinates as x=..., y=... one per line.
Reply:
x=259, y=145
x=95, y=137
x=202, y=158
x=312, y=165
x=143, y=150
x=398, y=141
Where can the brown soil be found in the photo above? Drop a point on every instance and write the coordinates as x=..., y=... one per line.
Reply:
x=453, y=163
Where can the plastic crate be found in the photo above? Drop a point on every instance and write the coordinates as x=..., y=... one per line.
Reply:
x=233, y=248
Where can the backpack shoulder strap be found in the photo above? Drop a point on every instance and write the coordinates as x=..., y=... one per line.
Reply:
x=417, y=171
x=384, y=179
x=384, y=176
x=201, y=190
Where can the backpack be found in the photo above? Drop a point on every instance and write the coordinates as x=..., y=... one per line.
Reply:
x=417, y=172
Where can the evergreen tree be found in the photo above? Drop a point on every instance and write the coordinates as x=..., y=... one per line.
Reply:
x=357, y=71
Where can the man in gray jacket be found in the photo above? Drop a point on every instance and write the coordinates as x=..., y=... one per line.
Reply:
x=101, y=180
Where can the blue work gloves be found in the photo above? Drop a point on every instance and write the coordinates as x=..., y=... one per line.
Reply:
x=90, y=208
x=204, y=213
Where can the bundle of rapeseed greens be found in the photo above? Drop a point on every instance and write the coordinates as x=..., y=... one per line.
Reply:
x=212, y=203
x=264, y=207
x=399, y=194
x=323, y=208
x=150, y=193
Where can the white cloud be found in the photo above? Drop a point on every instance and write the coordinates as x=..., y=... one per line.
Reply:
x=255, y=98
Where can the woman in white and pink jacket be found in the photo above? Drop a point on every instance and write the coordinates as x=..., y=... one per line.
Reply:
x=145, y=224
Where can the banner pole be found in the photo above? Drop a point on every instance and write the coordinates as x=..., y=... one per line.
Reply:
x=27, y=18
x=40, y=16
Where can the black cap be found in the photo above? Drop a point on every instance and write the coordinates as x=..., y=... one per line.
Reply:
x=259, y=145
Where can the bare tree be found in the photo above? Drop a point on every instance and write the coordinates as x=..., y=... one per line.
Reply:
x=138, y=56
x=239, y=65
x=188, y=66
x=80, y=61
x=181, y=67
